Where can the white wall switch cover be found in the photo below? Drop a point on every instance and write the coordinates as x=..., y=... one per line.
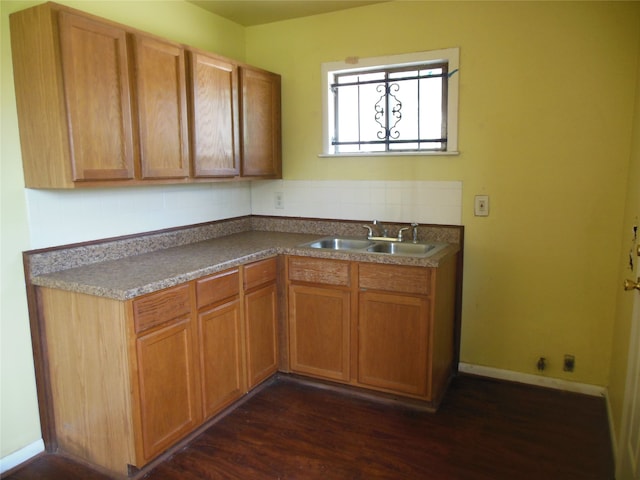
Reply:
x=481, y=207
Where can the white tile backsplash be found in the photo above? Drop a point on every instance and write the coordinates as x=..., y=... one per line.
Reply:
x=59, y=217
x=393, y=201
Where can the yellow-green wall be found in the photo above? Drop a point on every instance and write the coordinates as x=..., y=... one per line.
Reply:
x=547, y=96
x=545, y=118
x=176, y=20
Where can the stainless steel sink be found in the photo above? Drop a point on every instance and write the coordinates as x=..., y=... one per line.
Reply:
x=358, y=245
x=340, y=244
x=397, y=248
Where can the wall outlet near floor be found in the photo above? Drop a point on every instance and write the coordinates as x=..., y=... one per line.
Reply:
x=569, y=363
x=481, y=206
x=278, y=200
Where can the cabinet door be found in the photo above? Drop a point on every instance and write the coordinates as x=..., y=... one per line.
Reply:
x=393, y=343
x=214, y=118
x=319, y=331
x=169, y=404
x=98, y=99
x=221, y=356
x=260, y=309
x=261, y=131
x=162, y=108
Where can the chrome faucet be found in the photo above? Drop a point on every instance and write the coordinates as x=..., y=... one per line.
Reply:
x=382, y=229
x=400, y=232
x=383, y=232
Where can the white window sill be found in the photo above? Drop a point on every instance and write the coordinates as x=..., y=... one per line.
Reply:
x=388, y=154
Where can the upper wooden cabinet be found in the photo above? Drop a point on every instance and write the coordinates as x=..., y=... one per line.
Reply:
x=214, y=116
x=261, y=137
x=95, y=69
x=103, y=104
x=161, y=94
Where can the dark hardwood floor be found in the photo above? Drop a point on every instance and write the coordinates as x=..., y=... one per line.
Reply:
x=484, y=429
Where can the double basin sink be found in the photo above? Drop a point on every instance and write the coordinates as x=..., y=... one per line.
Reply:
x=391, y=247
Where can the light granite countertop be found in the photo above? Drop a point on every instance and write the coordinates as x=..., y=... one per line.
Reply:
x=135, y=275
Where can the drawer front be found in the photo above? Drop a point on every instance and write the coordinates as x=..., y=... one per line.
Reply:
x=395, y=278
x=317, y=270
x=261, y=272
x=160, y=307
x=217, y=287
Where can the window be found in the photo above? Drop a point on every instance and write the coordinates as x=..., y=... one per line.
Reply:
x=403, y=104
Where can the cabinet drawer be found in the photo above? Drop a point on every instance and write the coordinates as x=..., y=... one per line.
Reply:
x=160, y=307
x=218, y=287
x=395, y=278
x=316, y=270
x=257, y=273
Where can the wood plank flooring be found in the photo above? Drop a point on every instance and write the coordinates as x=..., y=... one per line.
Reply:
x=484, y=429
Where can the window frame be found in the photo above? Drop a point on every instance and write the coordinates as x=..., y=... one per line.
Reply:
x=354, y=64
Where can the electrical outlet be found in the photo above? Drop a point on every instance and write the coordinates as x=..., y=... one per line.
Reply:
x=481, y=206
x=569, y=363
x=278, y=200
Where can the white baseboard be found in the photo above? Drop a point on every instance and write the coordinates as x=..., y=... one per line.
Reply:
x=529, y=379
x=21, y=456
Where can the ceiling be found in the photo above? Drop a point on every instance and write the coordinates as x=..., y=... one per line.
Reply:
x=258, y=12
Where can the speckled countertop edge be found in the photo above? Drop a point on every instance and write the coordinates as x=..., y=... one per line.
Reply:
x=137, y=274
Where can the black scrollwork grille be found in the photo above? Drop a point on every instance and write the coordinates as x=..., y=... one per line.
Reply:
x=386, y=110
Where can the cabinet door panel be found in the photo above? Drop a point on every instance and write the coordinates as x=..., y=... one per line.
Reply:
x=393, y=342
x=319, y=328
x=162, y=109
x=261, y=317
x=261, y=137
x=215, y=122
x=167, y=379
x=221, y=356
x=97, y=92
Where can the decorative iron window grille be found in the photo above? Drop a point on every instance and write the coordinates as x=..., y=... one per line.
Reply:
x=391, y=109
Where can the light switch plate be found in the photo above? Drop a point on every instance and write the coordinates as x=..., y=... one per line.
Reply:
x=481, y=207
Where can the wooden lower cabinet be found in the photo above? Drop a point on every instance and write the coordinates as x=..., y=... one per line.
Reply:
x=168, y=385
x=319, y=292
x=261, y=320
x=393, y=342
x=129, y=379
x=221, y=337
x=376, y=326
x=319, y=329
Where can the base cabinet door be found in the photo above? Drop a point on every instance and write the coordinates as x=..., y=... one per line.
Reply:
x=221, y=356
x=169, y=405
x=261, y=321
x=221, y=340
x=319, y=329
x=393, y=342
x=167, y=369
